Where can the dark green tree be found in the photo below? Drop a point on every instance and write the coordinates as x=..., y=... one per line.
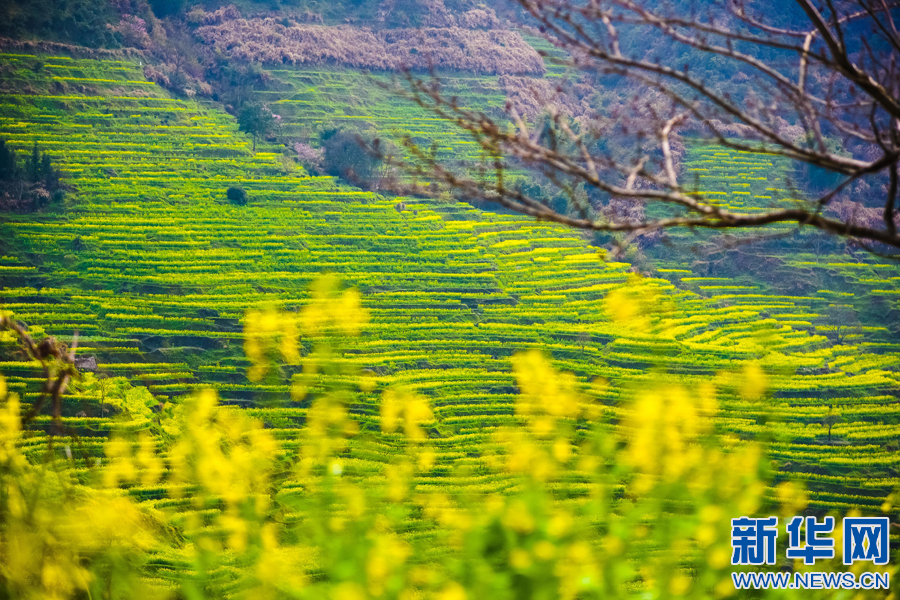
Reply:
x=46, y=171
x=33, y=166
x=257, y=120
x=166, y=8
x=9, y=169
x=39, y=169
x=234, y=81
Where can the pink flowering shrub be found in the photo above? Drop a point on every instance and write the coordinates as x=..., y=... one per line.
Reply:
x=268, y=41
x=157, y=74
x=170, y=77
x=133, y=31
x=857, y=213
x=308, y=155
x=226, y=13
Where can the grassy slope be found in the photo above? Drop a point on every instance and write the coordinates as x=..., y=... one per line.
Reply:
x=314, y=99
x=167, y=267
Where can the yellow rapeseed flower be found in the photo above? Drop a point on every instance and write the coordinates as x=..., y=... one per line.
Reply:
x=453, y=591
x=518, y=517
x=754, y=381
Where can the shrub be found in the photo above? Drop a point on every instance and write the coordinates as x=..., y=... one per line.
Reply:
x=237, y=195
x=309, y=156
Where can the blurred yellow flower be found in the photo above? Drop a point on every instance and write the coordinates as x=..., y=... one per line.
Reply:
x=453, y=591
x=413, y=410
x=754, y=381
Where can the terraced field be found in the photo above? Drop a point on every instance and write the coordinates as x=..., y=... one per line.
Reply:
x=833, y=290
x=312, y=100
x=155, y=269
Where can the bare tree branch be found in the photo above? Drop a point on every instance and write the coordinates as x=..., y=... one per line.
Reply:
x=57, y=364
x=818, y=93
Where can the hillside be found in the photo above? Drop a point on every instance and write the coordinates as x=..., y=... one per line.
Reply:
x=243, y=358
x=155, y=269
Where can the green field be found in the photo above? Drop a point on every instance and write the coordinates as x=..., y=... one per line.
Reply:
x=154, y=269
x=312, y=100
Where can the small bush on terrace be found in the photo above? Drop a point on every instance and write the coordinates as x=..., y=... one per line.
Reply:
x=237, y=195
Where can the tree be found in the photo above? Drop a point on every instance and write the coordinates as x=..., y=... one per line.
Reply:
x=178, y=50
x=344, y=155
x=166, y=8
x=842, y=321
x=830, y=419
x=47, y=174
x=257, y=120
x=33, y=168
x=235, y=82
x=30, y=187
x=39, y=169
x=813, y=81
x=9, y=169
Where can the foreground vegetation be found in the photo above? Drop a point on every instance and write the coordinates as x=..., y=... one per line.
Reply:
x=378, y=434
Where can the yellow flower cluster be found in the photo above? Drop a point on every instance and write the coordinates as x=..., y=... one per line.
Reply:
x=548, y=403
x=411, y=409
x=662, y=432
x=387, y=556
x=10, y=428
x=230, y=457
x=125, y=466
x=639, y=306
x=328, y=425
x=51, y=529
x=267, y=333
x=329, y=309
x=544, y=395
